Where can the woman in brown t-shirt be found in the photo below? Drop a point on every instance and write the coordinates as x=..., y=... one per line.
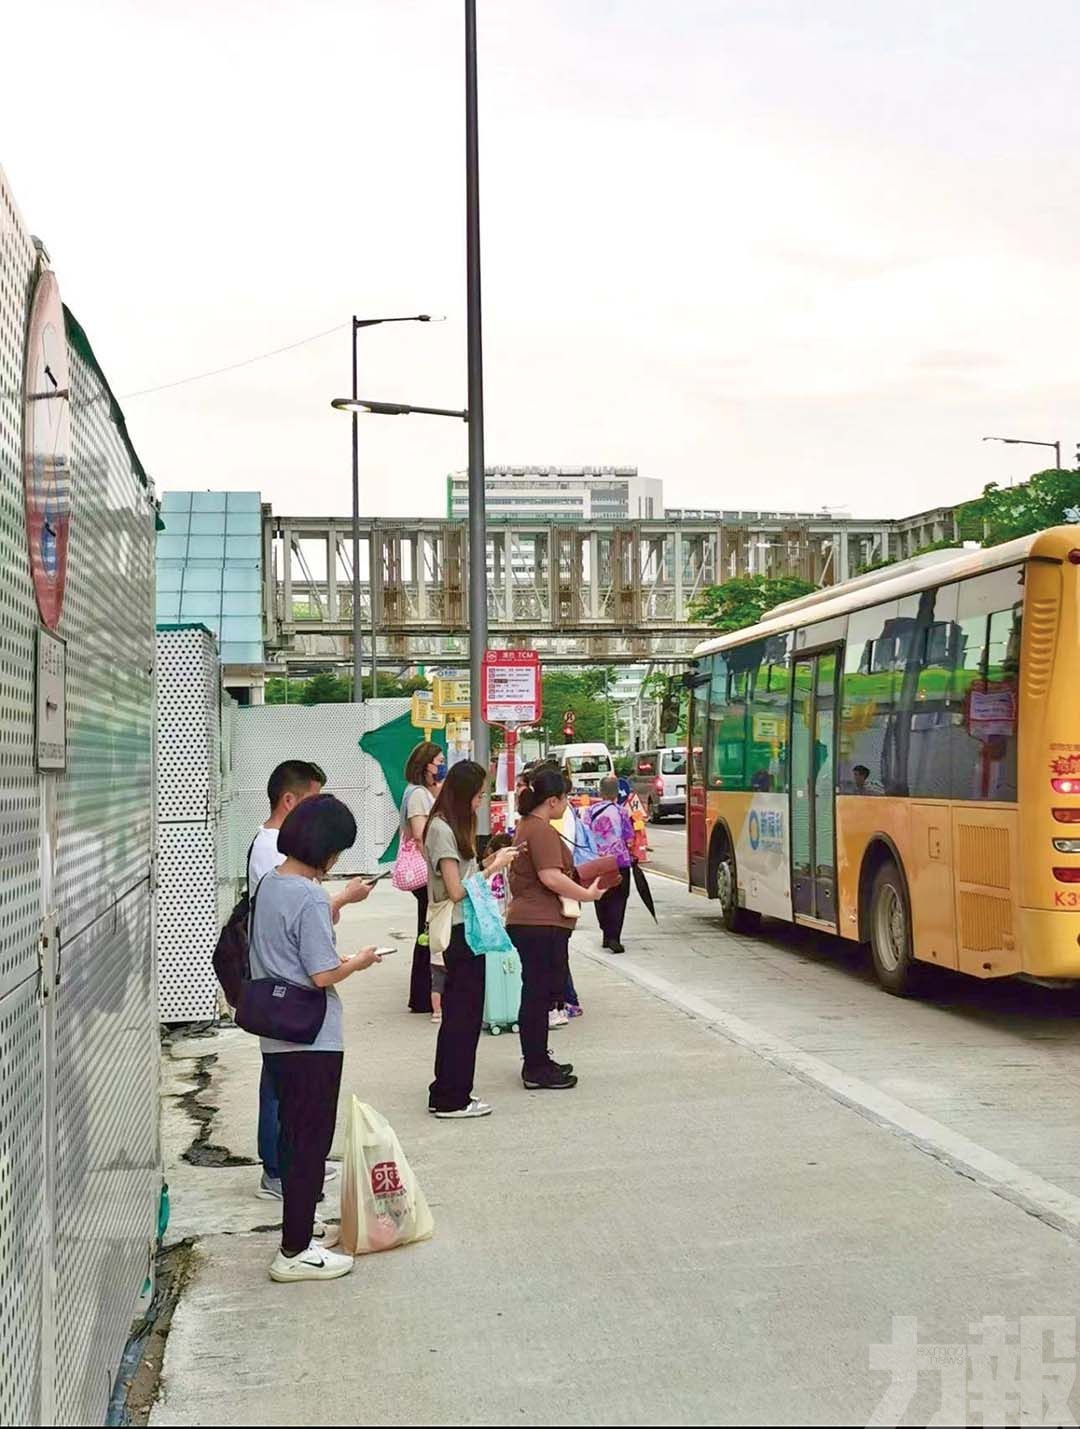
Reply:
x=540, y=878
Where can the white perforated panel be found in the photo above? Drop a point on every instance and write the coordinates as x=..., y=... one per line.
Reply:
x=20, y=886
x=188, y=685
x=107, y=1156
x=187, y=921
x=21, y=1204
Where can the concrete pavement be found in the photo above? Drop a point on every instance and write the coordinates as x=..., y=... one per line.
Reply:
x=692, y=1236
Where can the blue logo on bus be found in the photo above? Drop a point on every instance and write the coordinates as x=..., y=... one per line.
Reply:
x=754, y=829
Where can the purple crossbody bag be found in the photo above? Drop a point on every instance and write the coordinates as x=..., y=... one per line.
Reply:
x=274, y=1007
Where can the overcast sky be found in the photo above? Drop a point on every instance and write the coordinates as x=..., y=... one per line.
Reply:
x=777, y=254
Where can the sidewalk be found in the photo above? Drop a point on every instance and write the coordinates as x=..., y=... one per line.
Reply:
x=692, y=1236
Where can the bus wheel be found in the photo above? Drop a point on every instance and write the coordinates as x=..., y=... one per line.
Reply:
x=734, y=918
x=890, y=933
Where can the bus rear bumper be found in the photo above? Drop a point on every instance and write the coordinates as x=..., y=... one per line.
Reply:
x=1050, y=943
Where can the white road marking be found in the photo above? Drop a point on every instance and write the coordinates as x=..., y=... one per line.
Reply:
x=1049, y=1203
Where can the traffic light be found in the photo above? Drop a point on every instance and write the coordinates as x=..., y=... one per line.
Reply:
x=568, y=724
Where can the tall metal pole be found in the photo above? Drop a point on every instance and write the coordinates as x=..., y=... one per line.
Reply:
x=477, y=519
x=358, y=676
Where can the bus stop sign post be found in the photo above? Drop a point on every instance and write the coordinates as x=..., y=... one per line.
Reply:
x=511, y=695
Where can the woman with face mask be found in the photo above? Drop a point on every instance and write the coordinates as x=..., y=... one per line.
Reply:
x=424, y=770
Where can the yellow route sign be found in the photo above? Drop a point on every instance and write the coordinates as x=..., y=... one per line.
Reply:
x=423, y=714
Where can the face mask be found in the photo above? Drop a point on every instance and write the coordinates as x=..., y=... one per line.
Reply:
x=440, y=773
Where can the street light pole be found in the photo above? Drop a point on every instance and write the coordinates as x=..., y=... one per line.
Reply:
x=357, y=625
x=477, y=515
x=1022, y=442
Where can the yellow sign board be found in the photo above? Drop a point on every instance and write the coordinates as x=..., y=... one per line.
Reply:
x=449, y=694
x=423, y=714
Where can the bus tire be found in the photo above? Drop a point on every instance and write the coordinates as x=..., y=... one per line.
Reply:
x=891, y=944
x=725, y=881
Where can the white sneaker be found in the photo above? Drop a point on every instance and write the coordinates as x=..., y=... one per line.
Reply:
x=474, y=1108
x=315, y=1263
x=558, y=1018
x=324, y=1235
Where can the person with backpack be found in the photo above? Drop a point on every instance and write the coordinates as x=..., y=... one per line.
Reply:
x=291, y=783
x=545, y=902
x=292, y=948
x=613, y=833
x=424, y=770
x=451, y=853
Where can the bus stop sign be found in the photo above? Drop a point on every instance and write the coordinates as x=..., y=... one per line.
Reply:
x=510, y=691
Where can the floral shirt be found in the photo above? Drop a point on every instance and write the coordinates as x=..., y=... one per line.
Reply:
x=612, y=830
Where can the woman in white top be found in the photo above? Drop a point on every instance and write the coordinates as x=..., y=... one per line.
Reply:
x=424, y=769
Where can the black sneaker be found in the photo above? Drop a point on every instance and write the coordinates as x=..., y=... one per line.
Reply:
x=551, y=1079
x=614, y=946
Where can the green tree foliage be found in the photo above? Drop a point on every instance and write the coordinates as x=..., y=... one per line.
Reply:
x=1002, y=513
x=745, y=600
x=326, y=688
x=587, y=693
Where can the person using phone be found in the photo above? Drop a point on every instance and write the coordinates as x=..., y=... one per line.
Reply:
x=292, y=939
x=544, y=899
x=450, y=849
x=291, y=783
x=425, y=769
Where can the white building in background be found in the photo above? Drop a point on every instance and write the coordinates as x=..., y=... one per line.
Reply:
x=561, y=493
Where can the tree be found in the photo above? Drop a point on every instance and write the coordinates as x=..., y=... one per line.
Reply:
x=745, y=600
x=328, y=688
x=1002, y=513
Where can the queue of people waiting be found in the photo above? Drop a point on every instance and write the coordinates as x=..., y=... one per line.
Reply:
x=530, y=878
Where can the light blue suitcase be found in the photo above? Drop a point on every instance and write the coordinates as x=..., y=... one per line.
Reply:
x=502, y=992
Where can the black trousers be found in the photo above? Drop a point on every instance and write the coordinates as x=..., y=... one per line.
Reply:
x=611, y=908
x=307, y=1086
x=545, y=970
x=462, y=1023
x=420, y=981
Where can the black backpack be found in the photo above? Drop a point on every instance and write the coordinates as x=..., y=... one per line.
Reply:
x=231, y=953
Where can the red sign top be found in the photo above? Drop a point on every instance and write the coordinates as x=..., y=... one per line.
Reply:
x=511, y=657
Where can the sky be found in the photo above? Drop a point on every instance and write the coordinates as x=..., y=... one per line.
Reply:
x=780, y=255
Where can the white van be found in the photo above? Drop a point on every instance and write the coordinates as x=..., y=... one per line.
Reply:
x=587, y=763
x=659, y=778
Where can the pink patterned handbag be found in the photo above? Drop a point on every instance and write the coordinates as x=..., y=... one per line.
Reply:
x=410, y=866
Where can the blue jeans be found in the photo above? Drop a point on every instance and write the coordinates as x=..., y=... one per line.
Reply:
x=269, y=1125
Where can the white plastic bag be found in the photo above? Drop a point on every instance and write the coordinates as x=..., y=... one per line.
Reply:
x=382, y=1205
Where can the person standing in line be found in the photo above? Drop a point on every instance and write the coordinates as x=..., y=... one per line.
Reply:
x=613, y=832
x=539, y=926
x=424, y=770
x=450, y=850
x=292, y=939
x=288, y=786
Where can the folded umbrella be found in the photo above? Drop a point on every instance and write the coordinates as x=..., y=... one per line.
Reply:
x=643, y=888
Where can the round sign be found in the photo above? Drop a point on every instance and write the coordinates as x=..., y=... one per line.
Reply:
x=47, y=447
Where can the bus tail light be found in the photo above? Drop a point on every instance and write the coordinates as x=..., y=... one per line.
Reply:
x=1067, y=845
x=1074, y=557
x=1065, y=786
x=1066, y=816
x=1067, y=875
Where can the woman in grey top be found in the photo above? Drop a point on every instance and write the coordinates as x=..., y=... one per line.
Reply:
x=450, y=850
x=425, y=767
x=292, y=938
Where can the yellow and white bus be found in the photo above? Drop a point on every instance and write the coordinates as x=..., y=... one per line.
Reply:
x=897, y=760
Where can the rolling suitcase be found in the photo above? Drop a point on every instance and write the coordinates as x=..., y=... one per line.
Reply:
x=502, y=992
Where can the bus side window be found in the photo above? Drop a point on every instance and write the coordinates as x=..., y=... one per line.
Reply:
x=984, y=696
